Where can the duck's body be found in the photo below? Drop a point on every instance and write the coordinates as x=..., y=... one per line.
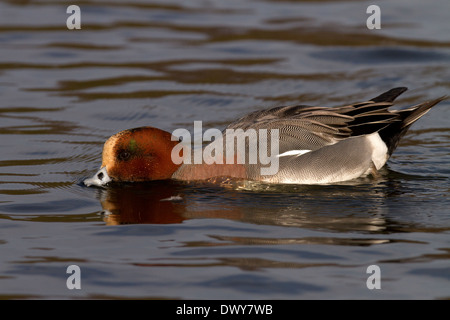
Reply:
x=316, y=145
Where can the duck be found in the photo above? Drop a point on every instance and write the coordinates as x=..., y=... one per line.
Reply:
x=315, y=145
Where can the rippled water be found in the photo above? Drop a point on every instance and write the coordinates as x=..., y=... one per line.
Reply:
x=168, y=63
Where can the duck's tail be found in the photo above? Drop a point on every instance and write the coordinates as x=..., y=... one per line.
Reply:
x=389, y=96
x=392, y=134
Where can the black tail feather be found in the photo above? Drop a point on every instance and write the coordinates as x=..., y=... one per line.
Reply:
x=415, y=113
x=392, y=134
x=389, y=96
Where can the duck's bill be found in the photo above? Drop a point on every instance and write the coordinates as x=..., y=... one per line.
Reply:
x=99, y=179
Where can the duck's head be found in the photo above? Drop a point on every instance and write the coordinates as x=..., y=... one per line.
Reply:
x=140, y=154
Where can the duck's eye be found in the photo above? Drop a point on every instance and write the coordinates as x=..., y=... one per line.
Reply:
x=124, y=155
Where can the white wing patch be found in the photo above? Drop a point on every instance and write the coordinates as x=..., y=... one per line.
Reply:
x=293, y=153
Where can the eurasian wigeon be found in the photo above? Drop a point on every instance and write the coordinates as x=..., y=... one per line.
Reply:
x=316, y=145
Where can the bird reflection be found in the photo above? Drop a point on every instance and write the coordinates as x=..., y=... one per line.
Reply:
x=155, y=202
x=348, y=207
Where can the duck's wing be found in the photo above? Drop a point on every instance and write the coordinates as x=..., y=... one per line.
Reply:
x=299, y=127
x=304, y=128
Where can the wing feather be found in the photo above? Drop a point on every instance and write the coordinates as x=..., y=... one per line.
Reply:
x=303, y=127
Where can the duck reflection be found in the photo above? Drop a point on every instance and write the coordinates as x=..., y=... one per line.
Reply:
x=350, y=207
x=154, y=202
x=162, y=202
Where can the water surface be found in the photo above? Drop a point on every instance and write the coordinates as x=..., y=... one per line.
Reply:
x=169, y=63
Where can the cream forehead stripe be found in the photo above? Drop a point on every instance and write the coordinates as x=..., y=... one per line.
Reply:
x=108, y=149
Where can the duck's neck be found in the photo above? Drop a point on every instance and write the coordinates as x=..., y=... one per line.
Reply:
x=205, y=171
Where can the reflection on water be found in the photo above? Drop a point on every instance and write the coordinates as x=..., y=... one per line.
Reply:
x=364, y=206
x=141, y=203
x=167, y=65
